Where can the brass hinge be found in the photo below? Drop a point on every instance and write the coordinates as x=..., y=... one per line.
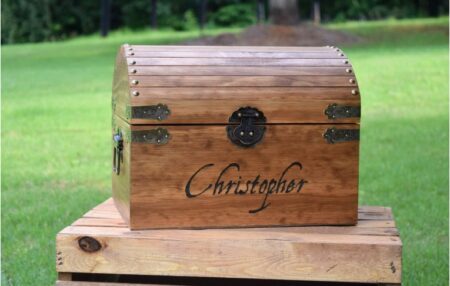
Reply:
x=157, y=112
x=335, y=135
x=336, y=111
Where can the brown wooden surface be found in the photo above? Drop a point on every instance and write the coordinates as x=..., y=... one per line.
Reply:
x=151, y=191
x=233, y=71
x=230, y=48
x=243, y=81
x=206, y=84
x=332, y=54
x=236, y=62
x=369, y=252
x=210, y=105
x=159, y=175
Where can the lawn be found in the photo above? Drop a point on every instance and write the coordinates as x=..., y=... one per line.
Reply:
x=56, y=141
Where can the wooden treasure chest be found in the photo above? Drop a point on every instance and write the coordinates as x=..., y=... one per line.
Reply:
x=235, y=136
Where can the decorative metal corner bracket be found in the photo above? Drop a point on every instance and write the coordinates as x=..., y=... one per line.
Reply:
x=336, y=111
x=335, y=135
x=157, y=112
x=159, y=136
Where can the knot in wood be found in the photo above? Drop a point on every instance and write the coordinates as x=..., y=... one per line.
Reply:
x=89, y=244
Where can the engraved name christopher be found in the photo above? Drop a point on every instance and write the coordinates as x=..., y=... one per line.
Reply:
x=256, y=186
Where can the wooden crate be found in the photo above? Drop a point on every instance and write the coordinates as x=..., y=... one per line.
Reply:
x=99, y=249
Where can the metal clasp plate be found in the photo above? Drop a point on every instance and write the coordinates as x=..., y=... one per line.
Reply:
x=157, y=136
x=336, y=111
x=250, y=129
x=335, y=135
x=157, y=112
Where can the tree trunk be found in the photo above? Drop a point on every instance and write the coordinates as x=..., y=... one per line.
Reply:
x=316, y=12
x=284, y=12
x=105, y=17
x=260, y=13
x=154, y=20
x=203, y=6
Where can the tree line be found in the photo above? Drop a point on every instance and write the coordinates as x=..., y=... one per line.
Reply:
x=49, y=20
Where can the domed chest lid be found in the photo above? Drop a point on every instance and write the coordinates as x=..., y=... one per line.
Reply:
x=207, y=84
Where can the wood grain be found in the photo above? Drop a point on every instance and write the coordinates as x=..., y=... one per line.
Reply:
x=243, y=81
x=292, y=87
x=275, y=49
x=284, y=253
x=215, y=104
x=218, y=111
x=158, y=197
x=236, y=54
x=235, y=62
x=229, y=70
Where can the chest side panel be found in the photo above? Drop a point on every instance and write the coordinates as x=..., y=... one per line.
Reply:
x=200, y=179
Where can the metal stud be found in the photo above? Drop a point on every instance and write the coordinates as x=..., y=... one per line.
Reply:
x=341, y=55
x=133, y=71
x=250, y=133
x=131, y=54
x=241, y=133
x=348, y=70
x=133, y=62
x=345, y=61
x=355, y=92
x=135, y=81
x=135, y=93
x=239, y=114
x=352, y=80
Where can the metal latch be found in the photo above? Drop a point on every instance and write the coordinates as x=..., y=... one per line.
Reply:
x=118, y=152
x=156, y=112
x=250, y=129
x=335, y=135
x=159, y=136
x=336, y=111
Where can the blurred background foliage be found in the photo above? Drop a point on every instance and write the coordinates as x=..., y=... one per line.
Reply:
x=48, y=20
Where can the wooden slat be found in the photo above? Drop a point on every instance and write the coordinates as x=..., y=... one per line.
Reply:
x=219, y=111
x=242, y=81
x=162, y=48
x=99, y=217
x=215, y=104
x=350, y=230
x=316, y=257
x=243, y=93
x=234, y=62
x=241, y=71
x=236, y=54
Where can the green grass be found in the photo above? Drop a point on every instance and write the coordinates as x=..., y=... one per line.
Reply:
x=56, y=140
